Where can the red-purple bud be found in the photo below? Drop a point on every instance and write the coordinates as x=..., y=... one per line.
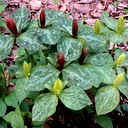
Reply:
x=42, y=19
x=11, y=25
x=60, y=61
x=83, y=55
x=74, y=28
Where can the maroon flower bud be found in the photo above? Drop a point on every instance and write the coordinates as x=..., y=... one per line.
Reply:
x=60, y=61
x=74, y=28
x=11, y=25
x=42, y=19
x=83, y=55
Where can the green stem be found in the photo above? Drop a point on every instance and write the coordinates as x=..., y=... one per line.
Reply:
x=30, y=59
x=112, y=49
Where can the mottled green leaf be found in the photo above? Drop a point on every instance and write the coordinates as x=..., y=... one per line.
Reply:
x=94, y=41
x=49, y=35
x=109, y=21
x=3, y=108
x=17, y=121
x=33, y=24
x=11, y=100
x=20, y=17
x=52, y=15
x=65, y=25
x=115, y=37
x=71, y=47
x=107, y=74
x=104, y=121
x=29, y=40
x=83, y=76
x=118, y=52
x=20, y=89
x=2, y=7
x=44, y=106
x=106, y=99
x=123, y=86
x=100, y=59
x=41, y=76
x=6, y=43
x=74, y=98
x=125, y=32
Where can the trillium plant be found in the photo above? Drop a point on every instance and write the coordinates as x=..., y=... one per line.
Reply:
x=59, y=60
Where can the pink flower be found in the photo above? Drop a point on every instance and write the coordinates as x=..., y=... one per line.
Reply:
x=11, y=25
x=60, y=61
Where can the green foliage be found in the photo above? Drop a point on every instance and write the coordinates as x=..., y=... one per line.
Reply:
x=11, y=100
x=104, y=121
x=106, y=99
x=58, y=59
x=3, y=108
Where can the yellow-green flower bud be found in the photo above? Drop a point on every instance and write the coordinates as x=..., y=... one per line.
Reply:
x=120, y=58
x=26, y=69
x=118, y=80
x=120, y=25
x=97, y=27
x=57, y=87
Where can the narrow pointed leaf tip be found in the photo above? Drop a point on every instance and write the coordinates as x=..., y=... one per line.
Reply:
x=42, y=18
x=11, y=25
x=60, y=61
x=57, y=86
x=83, y=55
x=74, y=28
x=118, y=80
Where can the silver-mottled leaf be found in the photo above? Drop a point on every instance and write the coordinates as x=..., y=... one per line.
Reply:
x=20, y=16
x=71, y=47
x=6, y=43
x=44, y=106
x=94, y=41
x=106, y=99
x=29, y=40
x=52, y=15
x=83, y=76
x=20, y=89
x=109, y=21
x=74, y=98
x=33, y=24
x=123, y=86
x=41, y=76
x=125, y=32
x=115, y=37
x=107, y=74
x=49, y=35
x=65, y=25
x=100, y=59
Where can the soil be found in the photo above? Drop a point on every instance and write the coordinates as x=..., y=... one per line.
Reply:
x=90, y=10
